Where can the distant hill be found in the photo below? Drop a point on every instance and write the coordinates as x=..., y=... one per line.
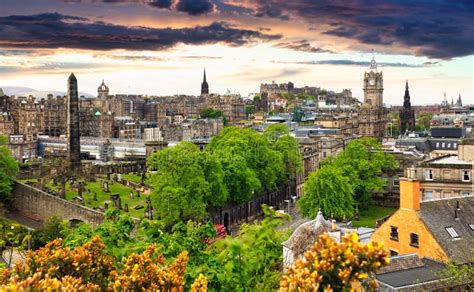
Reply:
x=26, y=91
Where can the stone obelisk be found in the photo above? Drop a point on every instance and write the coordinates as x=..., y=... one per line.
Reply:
x=73, y=134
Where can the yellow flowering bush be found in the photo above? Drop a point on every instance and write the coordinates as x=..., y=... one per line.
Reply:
x=148, y=271
x=200, y=284
x=333, y=266
x=89, y=268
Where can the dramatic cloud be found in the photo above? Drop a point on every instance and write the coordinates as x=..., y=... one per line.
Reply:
x=302, y=45
x=53, y=30
x=160, y=3
x=195, y=7
x=357, y=63
x=192, y=7
x=437, y=29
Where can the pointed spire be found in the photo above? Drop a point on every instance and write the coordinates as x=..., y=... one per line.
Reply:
x=72, y=77
x=406, y=86
x=204, y=80
x=373, y=64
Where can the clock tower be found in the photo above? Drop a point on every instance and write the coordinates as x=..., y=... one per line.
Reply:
x=372, y=116
x=373, y=86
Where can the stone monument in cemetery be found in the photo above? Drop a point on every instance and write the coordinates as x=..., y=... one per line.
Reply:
x=73, y=132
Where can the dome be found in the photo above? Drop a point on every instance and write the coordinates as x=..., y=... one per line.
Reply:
x=97, y=113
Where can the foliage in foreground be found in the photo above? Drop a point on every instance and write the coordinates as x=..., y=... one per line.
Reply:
x=333, y=266
x=89, y=267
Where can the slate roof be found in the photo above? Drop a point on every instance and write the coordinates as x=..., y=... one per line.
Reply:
x=423, y=272
x=439, y=214
x=402, y=262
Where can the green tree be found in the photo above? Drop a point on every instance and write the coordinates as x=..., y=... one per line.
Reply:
x=52, y=228
x=248, y=160
x=251, y=261
x=8, y=170
x=288, y=147
x=249, y=110
x=423, y=121
x=275, y=131
x=186, y=183
x=328, y=190
x=363, y=161
x=211, y=113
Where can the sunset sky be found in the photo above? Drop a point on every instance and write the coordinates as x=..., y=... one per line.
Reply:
x=160, y=47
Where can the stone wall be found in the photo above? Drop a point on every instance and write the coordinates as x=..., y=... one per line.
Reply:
x=39, y=205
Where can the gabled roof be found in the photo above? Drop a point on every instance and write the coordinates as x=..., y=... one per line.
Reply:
x=440, y=214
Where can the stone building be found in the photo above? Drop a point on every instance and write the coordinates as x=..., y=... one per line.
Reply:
x=95, y=122
x=446, y=176
x=372, y=115
x=407, y=114
x=53, y=116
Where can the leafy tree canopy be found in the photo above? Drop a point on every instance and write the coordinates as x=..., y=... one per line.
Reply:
x=186, y=182
x=363, y=161
x=8, y=170
x=327, y=190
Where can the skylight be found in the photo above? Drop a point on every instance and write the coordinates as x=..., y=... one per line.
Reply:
x=452, y=232
x=472, y=226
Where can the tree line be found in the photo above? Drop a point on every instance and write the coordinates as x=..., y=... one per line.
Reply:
x=235, y=167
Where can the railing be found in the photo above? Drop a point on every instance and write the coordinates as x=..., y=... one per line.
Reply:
x=235, y=214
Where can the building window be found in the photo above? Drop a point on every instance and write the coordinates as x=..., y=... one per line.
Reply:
x=414, y=239
x=452, y=232
x=428, y=195
x=393, y=253
x=466, y=194
x=466, y=175
x=393, y=233
x=429, y=174
x=396, y=181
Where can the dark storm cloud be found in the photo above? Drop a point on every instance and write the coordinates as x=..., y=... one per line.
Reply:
x=54, y=30
x=302, y=45
x=358, y=63
x=195, y=7
x=160, y=3
x=191, y=7
x=437, y=29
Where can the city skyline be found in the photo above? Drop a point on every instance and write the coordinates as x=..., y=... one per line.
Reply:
x=161, y=47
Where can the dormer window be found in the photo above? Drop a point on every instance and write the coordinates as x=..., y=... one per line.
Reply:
x=429, y=174
x=466, y=175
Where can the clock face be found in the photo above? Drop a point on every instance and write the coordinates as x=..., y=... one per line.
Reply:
x=371, y=81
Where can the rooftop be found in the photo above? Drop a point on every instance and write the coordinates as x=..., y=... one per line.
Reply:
x=409, y=271
x=450, y=222
x=450, y=159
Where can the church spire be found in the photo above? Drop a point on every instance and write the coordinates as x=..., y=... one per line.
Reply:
x=406, y=98
x=204, y=85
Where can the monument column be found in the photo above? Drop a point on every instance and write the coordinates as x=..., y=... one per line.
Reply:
x=73, y=142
